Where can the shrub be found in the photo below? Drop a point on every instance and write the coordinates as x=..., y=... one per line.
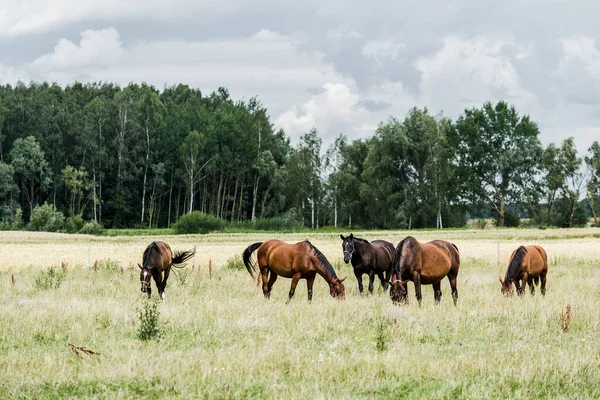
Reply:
x=46, y=218
x=74, y=224
x=149, y=320
x=198, y=222
x=92, y=228
x=235, y=263
x=49, y=279
x=481, y=223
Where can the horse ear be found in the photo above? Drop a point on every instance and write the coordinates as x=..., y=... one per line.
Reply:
x=342, y=236
x=404, y=282
x=140, y=266
x=351, y=236
x=343, y=279
x=500, y=279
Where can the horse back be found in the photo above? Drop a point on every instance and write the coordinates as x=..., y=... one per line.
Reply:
x=384, y=253
x=538, y=260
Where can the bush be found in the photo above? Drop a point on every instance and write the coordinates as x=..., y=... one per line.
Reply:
x=268, y=224
x=74, y=224
x=49, y=279
x=149, y=320
x=481, y=223
x=198, y=222
x=92, y=228
x=511, y=220
x=235, y=263
x=46, y=218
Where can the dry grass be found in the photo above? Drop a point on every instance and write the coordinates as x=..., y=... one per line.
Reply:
x=221, y=339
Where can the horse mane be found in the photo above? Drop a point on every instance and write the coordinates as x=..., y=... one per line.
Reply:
x=322, y=259
x=396, y=263
x=515, y=265
x=362, y=240
x=147, y=253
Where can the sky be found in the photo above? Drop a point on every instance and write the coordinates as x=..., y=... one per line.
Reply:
x=338, y=66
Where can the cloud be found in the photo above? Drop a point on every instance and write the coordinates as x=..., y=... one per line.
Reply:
x=96, y=49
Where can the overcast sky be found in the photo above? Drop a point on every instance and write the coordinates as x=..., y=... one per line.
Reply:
x=340, y=66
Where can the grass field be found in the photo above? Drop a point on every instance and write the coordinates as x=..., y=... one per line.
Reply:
x=221, y=339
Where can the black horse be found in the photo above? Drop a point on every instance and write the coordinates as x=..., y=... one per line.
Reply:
x=374, y=258
x=159, y=258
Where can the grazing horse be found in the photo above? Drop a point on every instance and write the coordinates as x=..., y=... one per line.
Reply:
x=375, y=258
x=159, y=258
x=424, y=264
x=297, y=261
x=528, y=264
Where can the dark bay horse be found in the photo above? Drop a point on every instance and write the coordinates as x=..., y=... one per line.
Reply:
x=297, y=261
x=374, y=258
x=159, y=258
x=528, y=264
x=424, y=264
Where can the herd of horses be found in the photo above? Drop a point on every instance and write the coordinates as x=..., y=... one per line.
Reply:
x=421, y=263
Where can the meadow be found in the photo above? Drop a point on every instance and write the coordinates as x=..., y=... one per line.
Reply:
x=219, y=338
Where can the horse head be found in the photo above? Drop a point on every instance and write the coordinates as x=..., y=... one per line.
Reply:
x=507, y=289
x=336, y=288
x=145, y=276
x=398, y=292
x=347, y=247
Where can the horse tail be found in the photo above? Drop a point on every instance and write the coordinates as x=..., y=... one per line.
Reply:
x=182, y=256
x=250, y=266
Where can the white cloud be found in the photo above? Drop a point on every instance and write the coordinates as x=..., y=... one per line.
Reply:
x=95, y=49
x=583, y=50
x=382, y=51
x=469, y=71
x=335, y=110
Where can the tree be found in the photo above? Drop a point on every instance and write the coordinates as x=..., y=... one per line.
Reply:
x=7, y=188
x=192, y=156
x=75, y=182
x=571, y=164
x=592, y=161
x=31, y=168
x=496, y=150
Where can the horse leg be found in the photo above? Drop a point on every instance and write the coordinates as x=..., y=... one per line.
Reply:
x=272, y=279
x=437, y=292
x=521, y=290
x=384, y=282
x=164, y=284
x=417, y=282
x=543, y=279
x=295, y=279
x=452, y=280
x=358, y=275
x=157, y=276
x=371, y=280
x=264, y=274
x=531, y=285
x=310, y=279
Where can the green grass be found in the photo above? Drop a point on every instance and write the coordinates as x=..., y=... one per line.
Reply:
x=221, y=339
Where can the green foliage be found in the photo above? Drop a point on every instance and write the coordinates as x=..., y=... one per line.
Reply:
x=50, y=278
x=198, y=222
x=561, y=216
x=266, y=224
x=92, y=228
x=511, y=220
x=182, y=276
x=74, y=224
x=149, y=316
x=235, y=263
x=382, y=336
x=481, y=223
x=46, y=218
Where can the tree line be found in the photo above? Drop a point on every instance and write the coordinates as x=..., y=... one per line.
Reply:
x=136, y=156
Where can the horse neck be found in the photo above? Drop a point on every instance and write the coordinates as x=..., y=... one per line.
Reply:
x=360, y=248
x=322, y=270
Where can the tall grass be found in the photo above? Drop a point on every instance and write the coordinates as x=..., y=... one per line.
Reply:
x=221, y=339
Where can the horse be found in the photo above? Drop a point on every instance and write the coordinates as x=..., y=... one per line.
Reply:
x=424, y=264
x=376, y=257
x=528, y=264
x=159, y=258
x=301, y=260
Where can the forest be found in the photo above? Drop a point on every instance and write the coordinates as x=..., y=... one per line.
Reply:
x=137, y=156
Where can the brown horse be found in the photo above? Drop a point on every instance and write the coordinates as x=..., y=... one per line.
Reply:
x=528, y=264
x=376, y=257
x=159, y=258
x=424, y=264
x=297, y=261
